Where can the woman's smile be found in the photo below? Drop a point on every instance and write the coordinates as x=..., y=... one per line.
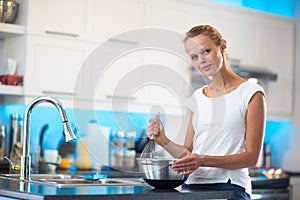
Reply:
x=206, y=68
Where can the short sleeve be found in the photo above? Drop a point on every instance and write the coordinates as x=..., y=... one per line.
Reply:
x=251, y=90
x=194, y=100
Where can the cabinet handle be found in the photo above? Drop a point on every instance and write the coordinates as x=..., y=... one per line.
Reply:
x=120, y=97
x=61, y=33
x=59, y=92
x=123, y=41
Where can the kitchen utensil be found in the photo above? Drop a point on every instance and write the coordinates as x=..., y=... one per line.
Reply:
x=2, y=142
x=159, y=174
x=150, y=149
x=51, y=160
x=15, y=166
x=8, y=11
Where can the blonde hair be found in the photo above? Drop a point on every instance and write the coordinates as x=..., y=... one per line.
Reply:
x=206, y=30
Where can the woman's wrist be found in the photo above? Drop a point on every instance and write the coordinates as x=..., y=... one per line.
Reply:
x=202, y=160
x=163, y=141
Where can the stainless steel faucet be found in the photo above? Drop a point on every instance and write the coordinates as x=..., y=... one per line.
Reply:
x=68, y=132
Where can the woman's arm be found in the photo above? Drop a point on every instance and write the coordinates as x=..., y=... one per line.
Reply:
x=177, y=151
x=255, y=126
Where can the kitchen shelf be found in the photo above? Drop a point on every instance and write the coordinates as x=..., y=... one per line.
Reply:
x=7, y=30
x=11, y=90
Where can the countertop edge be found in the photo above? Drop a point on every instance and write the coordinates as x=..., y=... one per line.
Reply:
x=150, y=195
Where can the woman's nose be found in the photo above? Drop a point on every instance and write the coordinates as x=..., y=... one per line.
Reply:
x=202, y=59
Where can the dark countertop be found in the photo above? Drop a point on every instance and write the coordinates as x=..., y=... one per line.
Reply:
x=25, y=190
x=37, y=191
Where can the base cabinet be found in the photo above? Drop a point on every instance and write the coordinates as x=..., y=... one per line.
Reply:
x=294, y=193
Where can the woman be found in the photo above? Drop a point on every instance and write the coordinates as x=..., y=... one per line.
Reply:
x=226, y=124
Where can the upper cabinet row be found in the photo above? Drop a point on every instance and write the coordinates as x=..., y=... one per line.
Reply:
x=61, y=35
x=90, y=20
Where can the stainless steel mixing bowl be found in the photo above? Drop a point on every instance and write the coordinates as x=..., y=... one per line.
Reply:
x=159, y=174
x=8, y=11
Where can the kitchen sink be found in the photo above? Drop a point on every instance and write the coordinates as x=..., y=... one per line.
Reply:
x=65, y=180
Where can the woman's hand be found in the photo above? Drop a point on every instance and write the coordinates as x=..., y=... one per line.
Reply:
x=156, y=128
x=188, y=164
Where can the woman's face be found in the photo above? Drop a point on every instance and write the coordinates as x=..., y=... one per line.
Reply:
x=204, y=54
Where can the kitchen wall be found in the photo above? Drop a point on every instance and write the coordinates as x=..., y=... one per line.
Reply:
x=282, y=135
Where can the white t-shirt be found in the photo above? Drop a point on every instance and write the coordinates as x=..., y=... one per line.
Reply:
x=220, y=127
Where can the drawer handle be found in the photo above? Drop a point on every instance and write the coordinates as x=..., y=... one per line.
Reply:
x=123, y=41
x=120, y=97
x=59, y=92
x=61, y=33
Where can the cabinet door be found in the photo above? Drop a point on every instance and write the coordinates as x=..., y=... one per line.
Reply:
x=53, y=65
x=120, y=79
x=117, y=16
x=238, y=28
x=62, y=18
x=170, y=15
x=166, y=78
x=277, y=54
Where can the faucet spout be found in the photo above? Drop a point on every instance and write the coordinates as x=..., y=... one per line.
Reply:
x=68, y=132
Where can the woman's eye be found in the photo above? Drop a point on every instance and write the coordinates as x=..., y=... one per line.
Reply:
x=194, y=57
x=206, y=51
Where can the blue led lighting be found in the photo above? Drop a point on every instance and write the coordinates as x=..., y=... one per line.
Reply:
x=280, y=7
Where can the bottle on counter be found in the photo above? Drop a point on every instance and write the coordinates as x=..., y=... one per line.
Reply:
x=129, y=158
x=130, y=139
x=13, y=131
x=2, y=142
x=267, y=155
x=16, y=146
x=83, y=161
x=98, y=141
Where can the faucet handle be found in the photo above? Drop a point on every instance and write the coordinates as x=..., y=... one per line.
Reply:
x=68, y=132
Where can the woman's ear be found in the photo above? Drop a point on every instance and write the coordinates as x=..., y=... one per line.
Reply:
x=223, y=45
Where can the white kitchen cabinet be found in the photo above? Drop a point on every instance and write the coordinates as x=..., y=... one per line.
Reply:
x=167, y=78
x=53, y=65
x=137, y=80
x=276, y=53
x=172, y=15
x=117, y=16
x=65, y=18
x=120, y=77
x=238, y=26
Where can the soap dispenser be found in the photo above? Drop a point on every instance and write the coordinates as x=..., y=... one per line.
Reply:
x=83, y=160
